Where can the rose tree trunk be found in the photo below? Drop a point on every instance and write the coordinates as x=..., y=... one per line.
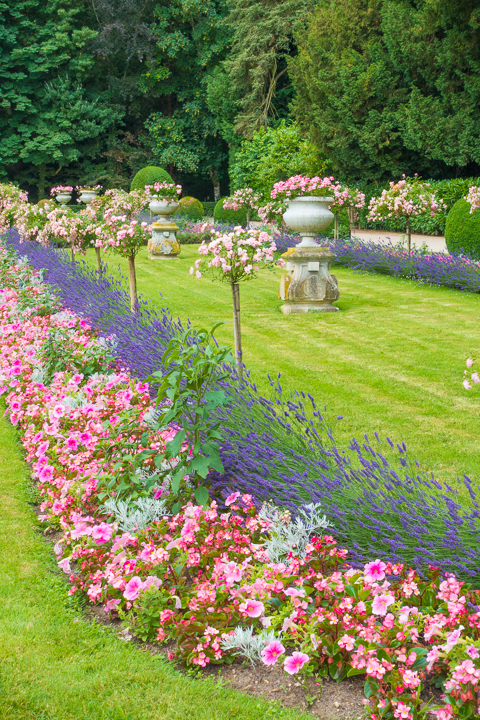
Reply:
x=132, y=278
x=236, y=327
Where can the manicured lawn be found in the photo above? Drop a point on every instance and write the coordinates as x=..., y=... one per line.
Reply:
x=56, y=666
x=391, y=361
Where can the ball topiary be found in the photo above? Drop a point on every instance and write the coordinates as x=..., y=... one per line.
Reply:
x=462, y=229
x=236, y=217
x=191, y=207
x=44, y=201
x=148, y=176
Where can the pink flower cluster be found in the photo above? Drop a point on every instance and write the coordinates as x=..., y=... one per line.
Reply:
x=236, y=256
x=405, y=198
x=473, y=198
x=300, y=185
x=243, y=198
x=163, y=189
x=346, y=197
x=61, y=189
x=200, y=574
x=10, y=198
x=470, y=376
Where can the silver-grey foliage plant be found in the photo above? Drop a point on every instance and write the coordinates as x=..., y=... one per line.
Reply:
x=136, y=514
x=243, y=642
x=287, y=535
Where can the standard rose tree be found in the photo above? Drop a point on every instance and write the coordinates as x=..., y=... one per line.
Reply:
x=406, y=198
x=234, y=258
x=344, y=198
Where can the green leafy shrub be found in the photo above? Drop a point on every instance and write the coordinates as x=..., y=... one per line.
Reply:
x=44, y=201
x=208, y=207
x=462, y=230
x=148, y=176
x=192, y=238
x=235, y=217
x=191, y=207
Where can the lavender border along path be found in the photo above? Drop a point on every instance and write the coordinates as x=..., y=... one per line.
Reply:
x=381, y=504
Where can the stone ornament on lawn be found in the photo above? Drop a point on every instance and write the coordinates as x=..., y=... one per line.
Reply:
x=308, y=286
x=163, y=243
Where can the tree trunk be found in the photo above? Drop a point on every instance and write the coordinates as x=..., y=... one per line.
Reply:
x=236, y=327
x=42, y=171
x=99, y=261
x=409, y=237
x=73, y=254
x=132, y=278
x=335, y=228
x=216, y=183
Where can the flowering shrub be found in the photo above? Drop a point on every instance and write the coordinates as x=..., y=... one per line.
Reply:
x=473, y=198
x=10, y=197
x=164, y=189
x=91, y=188
x=197, y=577
x=470, y=375
x=243, y=198
x=406, y=198
x=233, y=257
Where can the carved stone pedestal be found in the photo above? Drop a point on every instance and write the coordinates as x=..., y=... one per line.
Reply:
x=308, y=285
x=163, y=244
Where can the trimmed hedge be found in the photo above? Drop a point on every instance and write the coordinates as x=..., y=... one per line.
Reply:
x=234, y=217
x=148, y=176
x=192, y=208
x=462, y=230
x=208, y=207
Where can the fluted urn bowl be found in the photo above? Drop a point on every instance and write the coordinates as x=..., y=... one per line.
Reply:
x=309, y=216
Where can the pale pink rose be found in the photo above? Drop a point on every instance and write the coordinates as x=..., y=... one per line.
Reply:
x=475, y=377
x=252, y=608
x=466, y=385
x=65, y=565
x=374, y=571
x=381, y=603
x=469, y=362
x=102, y=533
x=272, y=652
x=295, y=662
x=132, y=588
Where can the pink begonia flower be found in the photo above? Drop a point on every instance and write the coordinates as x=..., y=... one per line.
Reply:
x=444, y=713
x=272, y=652
x=472, y=651
x=58, y=411
x=132, y=588
x=374, y=571
x=295, y=592
x=231, y=498
x=381, y=603
x=233, y=573
x=295, y=662
x=252, y=608
x=102, y=533
x=469, y=362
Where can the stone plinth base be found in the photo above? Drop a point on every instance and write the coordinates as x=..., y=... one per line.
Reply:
x=308, y=285
x=163, y=244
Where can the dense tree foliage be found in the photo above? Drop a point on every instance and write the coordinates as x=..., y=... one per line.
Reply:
x=391, y=86
x=93, y=91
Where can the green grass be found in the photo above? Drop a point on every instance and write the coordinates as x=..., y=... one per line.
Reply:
x=390, y=361
x=54, y=665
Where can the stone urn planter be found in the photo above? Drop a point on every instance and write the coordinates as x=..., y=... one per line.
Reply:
x=86, y=196
x=63, y=197
x=308, y=285
x=163, y=244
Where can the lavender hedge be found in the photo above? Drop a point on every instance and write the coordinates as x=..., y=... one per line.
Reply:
x=281, y=449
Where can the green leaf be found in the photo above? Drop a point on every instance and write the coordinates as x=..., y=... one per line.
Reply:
x=201, y=465
x=201, y=495
x=355, y=671
x=173, y=447
x=176, y=508
x=177, y=477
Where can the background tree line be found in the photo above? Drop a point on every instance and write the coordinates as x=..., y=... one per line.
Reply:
x=93, y=90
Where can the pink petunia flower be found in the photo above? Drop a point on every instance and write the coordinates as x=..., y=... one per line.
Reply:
x=102, y=533
x=295, y=662
x=374, y=571
x=472, y=651
x=252, y=608
x=132, y=588
x=381, y=603
x=272, y=652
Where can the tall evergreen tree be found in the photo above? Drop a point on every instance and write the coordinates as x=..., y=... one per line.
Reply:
x=50, y=114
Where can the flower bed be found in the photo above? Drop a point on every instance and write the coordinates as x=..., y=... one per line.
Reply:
x=381, y=503
x=218, y=583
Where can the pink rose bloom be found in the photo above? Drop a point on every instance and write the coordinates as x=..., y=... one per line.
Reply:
x=272, y=652
x=295, y=662
x=381, y=603
x=374, y=571
x=467, y=386
x=102, y=533
x=132, y=588
x=469, y=362
x=252, y=608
